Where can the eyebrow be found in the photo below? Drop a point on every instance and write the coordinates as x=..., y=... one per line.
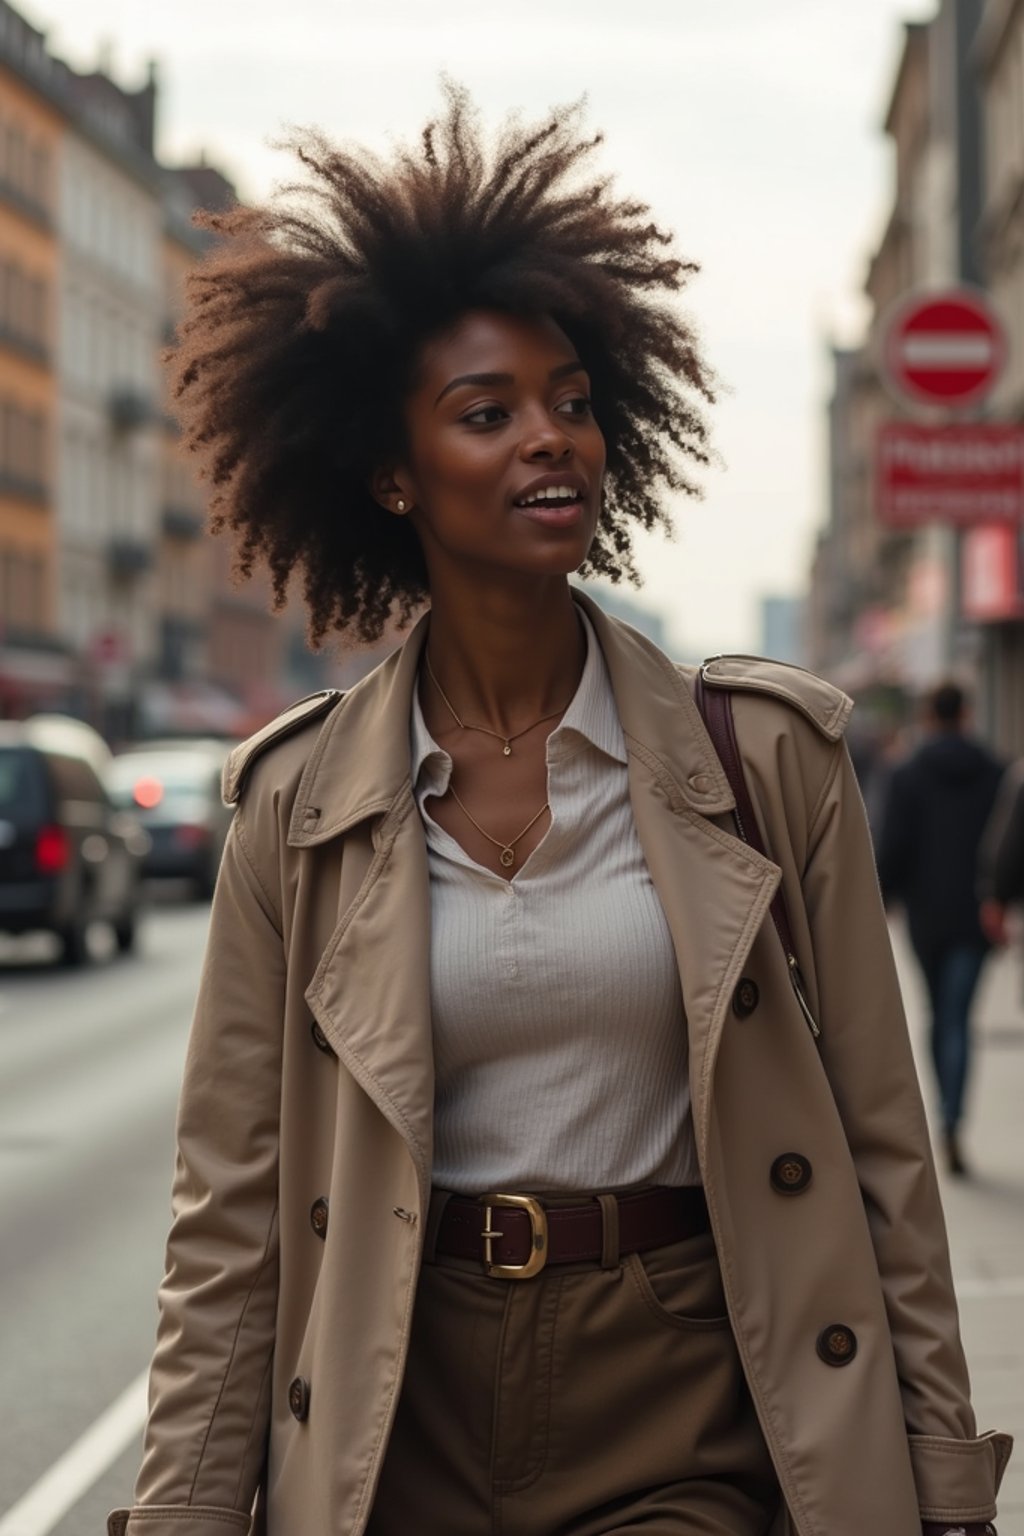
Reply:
x=486, y=379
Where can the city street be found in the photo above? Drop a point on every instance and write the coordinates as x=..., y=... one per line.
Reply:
x=89, y=1064
x=89, y=1068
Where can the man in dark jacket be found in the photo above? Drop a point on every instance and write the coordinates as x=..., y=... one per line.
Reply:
x=939, y=803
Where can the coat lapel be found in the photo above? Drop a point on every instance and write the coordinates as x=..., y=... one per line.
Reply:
x=714, y=889
x=715, y=892
x=371, y=991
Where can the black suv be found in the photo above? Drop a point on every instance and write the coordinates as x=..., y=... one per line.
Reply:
x=68, y=856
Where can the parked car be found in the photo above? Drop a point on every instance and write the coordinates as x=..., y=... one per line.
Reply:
x=68, y=855
x=174, y=787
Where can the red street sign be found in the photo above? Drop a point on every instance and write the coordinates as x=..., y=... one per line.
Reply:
x=961, y=475
x=945, y=349
x=992, y=585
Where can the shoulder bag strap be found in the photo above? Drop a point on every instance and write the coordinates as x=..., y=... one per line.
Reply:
x=715, y=705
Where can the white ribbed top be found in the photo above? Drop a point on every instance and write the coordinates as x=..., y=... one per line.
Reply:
x=559, y=1038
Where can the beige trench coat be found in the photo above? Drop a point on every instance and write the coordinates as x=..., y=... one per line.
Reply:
x=309, y=1079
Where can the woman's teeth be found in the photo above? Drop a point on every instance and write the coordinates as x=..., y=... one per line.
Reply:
x=550, y=493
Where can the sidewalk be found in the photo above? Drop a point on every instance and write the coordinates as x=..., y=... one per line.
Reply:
x=985, y=1213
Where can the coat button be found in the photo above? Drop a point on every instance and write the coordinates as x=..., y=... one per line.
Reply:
x=699, y=783
x=298, y=1399
x=320, y=1040
x=837, y=1344
x=790, y=1173
x=746, y=998
x=318, y=1217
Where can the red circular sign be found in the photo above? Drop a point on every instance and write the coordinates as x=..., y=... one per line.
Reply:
x=945, y=348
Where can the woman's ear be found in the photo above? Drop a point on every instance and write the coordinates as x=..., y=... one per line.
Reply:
x=387, y=489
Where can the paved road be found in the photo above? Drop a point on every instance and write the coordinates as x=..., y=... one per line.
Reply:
x=89, y=1067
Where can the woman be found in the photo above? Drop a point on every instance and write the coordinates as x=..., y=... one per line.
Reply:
x=487, y=1209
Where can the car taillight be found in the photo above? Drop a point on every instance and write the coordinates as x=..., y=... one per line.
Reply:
x=52, y=850
x=191, y=836
x=148, y=793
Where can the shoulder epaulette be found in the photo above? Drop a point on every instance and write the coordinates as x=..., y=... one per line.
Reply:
x=824, y=705
x=290, y=720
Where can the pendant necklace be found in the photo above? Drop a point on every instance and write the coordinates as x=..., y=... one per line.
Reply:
x=507, y=856
x=485, y=729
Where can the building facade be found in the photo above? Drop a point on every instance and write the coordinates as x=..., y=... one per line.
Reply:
x=115, y=603
x=111, y=311
x=32, y=662
x=889, y=609
x=995, y=557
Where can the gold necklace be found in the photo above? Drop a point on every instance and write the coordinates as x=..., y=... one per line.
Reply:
x=507, y=856
x=485, y=729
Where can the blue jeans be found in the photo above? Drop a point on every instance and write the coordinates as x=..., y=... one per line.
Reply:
x=952, y=978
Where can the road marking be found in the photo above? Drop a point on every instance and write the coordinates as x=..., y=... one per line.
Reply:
x=59, y=1489
x=966, y=1290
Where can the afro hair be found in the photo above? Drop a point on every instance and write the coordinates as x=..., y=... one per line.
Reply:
x=303, y=326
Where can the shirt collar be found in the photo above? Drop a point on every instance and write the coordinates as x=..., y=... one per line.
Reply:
x=590, y=717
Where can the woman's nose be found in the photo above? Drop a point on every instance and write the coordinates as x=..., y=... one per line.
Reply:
x=545, y=439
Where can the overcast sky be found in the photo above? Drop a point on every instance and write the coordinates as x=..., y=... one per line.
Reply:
x=753, y=127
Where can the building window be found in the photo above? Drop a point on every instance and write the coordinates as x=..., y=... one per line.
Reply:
x=22, y=590
x=22, y=451
x=25, y=171
x=23, y=305
x=39, y=181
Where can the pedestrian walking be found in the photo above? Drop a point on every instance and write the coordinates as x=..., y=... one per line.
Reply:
x=939, y=803
x=525, y=1180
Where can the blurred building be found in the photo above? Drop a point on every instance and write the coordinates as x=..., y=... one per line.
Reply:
x=114, y=602
x=783, y=629
x=108, y=481
x=997, y=554
x=889, y=610
x=33, y=663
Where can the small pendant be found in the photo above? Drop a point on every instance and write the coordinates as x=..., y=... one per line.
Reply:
x=506, y=858
x=507, y=750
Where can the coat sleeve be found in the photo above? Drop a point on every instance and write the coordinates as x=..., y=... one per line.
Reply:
x=210, y=1377
x=867, y=1056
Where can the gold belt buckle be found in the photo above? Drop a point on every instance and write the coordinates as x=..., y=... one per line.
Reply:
x=538, y=1236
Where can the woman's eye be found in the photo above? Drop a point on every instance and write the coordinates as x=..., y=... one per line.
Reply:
x=579, y=405
x=485, y=415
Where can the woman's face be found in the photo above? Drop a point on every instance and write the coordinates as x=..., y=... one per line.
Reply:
x=505, y=460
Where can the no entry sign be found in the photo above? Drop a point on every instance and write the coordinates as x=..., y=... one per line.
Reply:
x=944, y=349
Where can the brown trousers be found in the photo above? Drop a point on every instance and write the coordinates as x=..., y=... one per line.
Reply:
x=584, y=1402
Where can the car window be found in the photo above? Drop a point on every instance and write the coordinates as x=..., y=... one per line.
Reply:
x=74, y=779
x=23, y=797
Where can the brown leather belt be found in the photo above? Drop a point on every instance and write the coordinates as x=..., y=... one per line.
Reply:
x=515, y=1236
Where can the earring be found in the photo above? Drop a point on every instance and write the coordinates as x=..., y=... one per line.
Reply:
x=400, y=506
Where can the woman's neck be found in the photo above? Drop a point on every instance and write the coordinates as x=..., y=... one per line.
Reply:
x=505, y=658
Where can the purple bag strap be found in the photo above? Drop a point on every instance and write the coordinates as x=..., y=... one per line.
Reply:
x=715, y=705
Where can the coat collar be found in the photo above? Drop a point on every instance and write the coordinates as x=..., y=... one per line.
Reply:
x=361, y=761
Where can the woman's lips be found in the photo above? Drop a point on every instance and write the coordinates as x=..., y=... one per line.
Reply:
x=554, y=517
